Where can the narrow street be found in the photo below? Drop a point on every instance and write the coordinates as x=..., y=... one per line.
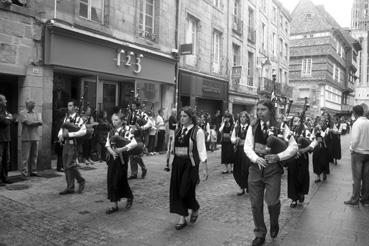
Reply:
x=33, y=213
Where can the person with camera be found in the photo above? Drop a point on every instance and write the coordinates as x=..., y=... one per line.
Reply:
x=227, y=155
x=73, y=128
x=189, y=155
x=265, y=170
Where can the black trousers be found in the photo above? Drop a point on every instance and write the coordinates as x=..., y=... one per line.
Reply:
x=159, y=145
x=4, y=160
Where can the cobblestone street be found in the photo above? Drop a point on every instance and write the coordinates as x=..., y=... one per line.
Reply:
x=37, y=215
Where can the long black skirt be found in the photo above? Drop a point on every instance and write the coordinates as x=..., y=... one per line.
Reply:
x=321, y=160
x=227, y=155
x=241, y=168
x=118, y=186
x=336, y=142
x=183, y=181
x=298, y=182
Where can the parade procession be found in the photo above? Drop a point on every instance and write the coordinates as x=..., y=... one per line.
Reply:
x=184, y=122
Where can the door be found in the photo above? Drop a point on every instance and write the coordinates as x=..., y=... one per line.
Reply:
x=9, y=88
x=110, y=97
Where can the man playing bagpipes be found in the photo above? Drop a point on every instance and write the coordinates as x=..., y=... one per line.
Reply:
x=138, y=122
x=265, y=170
x=72, y=128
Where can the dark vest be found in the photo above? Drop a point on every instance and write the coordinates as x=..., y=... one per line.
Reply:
x=259, y=136
x=191, y=134
x=241, y=134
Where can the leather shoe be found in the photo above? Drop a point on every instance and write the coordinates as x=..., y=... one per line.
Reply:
x=293, y=204
x=2, y=184
x=81, y=187
x=258, y=241
x=132, y=177
x=301, y=198
x=351, y=202
x=60, y=170
x=66, y=192
x=144, y=172
x=181, y=226
x=34, y=175
x=274, y=231
x=194, y=216
x=7, y=181
x=129, y=203
x=241, y=193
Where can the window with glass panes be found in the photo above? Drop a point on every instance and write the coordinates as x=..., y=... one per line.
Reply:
x=92, y=10
x=236, y=55
x=147, y=15
x=191, y=38
x=216, y=51
x=306, y=67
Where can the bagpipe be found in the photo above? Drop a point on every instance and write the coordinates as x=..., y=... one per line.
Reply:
x=275, y=142
x=300, y=133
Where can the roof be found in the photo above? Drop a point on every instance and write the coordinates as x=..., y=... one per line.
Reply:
x=319, y=21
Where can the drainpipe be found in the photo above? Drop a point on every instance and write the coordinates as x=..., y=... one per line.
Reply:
x=228, y=70
x=177, y=55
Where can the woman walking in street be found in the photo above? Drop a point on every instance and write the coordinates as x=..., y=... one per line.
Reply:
x=118, y=186
x=242, y=162
x=189, y=154
x=227, y=156
x=102, y=131
x=321, y=155
x=298, y=179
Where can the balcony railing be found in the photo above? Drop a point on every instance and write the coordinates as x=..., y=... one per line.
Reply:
x=236, y=72
x=251, y=35
x=266, y=86
x=148, y=35
x=244, y=89
x=237, y=25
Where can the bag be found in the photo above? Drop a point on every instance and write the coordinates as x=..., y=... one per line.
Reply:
x=138, y=150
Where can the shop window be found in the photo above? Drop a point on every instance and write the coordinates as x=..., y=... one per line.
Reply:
x=92, y=10
x=148, y=14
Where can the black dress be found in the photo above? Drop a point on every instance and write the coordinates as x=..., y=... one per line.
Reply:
x=184, y=177
x=227, y=155
x=336, y=143
x=118, y=186
x=241, y=162
x=298, y=182
x=321, y=155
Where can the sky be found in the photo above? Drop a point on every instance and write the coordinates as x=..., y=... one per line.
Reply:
x=340, y=10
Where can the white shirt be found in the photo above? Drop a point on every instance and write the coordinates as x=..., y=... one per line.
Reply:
x=287, y=154
x=200, y=143
x=360, y=136
x=233, y=137
x=128, y=135
x=79, y=122
x=160, y=122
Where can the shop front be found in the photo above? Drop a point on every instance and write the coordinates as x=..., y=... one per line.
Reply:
x=208, y=94
x=105, y=72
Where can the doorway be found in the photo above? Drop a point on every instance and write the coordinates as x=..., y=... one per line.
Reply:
x=9, y=88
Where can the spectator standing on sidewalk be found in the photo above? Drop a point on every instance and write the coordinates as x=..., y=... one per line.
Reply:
x=70, y=149
x=152, y=133
x=160, y=125
x=31, y=121
x=359, y=157
x=173, y=124
x=5, y=121
x=101, y=134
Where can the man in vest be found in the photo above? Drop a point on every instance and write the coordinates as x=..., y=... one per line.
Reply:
x=266, y=171
x=70, y=149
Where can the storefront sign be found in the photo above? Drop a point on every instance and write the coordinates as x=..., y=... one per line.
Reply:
x=186, y=49
x=129, y=58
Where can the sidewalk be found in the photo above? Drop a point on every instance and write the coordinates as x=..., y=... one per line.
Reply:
x=326, y=220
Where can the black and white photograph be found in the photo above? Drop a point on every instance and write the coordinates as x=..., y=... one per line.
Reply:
x=184, y=122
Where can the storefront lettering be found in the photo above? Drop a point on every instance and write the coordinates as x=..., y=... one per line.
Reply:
x=128, y=59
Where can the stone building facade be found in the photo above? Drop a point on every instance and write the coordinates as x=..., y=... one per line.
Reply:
x=104, y=50
x=204, y=70
x=321, y=66
x=258, y=52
